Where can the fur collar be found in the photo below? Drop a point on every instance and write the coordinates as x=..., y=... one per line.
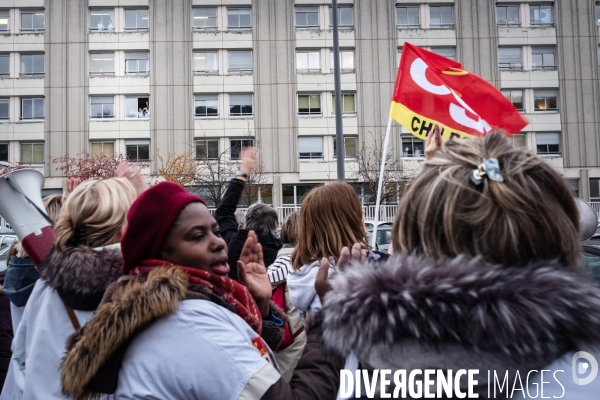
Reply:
x=81, y=274
x=131, y=304
x=541, y=310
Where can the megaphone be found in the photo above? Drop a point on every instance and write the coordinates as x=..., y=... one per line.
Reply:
x=588, y=219
x=21, y=205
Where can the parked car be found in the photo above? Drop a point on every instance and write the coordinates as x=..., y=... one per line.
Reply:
x=384, y=235
x=7, y=239
x=590, y=257
x=3, y=253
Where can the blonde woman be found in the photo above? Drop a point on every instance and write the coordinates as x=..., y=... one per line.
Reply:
x=86, y=259
x=484, y=277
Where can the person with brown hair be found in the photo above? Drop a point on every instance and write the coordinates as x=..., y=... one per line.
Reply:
x=331, y=218
x=484, y=276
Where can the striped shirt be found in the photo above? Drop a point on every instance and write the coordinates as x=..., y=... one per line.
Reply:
x=279, y=270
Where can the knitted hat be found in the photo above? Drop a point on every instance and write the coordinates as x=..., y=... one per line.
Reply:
x=149, y=221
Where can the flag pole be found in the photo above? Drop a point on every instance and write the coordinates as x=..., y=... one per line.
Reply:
x=386, y=142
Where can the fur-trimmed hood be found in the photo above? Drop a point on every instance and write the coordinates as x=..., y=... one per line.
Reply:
x=81, y=274
x=410, y=312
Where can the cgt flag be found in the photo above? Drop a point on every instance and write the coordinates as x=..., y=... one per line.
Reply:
x=432, y=89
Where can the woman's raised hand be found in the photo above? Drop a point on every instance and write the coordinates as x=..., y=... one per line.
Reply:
x=252, y=272
x=322, y=285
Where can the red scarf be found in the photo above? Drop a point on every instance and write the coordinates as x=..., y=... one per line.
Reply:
x=230, y=291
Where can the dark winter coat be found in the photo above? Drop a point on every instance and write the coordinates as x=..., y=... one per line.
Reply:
x=6, y=332
x=21, y=276
x=410, y=313
x=228, y=226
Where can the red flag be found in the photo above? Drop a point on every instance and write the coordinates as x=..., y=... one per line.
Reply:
x=432, y=89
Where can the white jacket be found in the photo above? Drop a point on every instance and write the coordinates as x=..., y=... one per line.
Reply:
x=301, y=285
x=212, y=352
x=39, y=345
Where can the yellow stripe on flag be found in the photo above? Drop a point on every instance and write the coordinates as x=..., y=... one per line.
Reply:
x=421, y=126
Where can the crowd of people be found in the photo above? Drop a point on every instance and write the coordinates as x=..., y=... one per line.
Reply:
x=146, y=295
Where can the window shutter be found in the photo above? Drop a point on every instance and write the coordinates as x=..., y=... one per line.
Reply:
x=102, y=100
x=240, y=60
x=310, y=144
x=240, y=99
x=545, y=93
x=138, y=55
x=448, y=52
x=510, y=55
x=547, y=138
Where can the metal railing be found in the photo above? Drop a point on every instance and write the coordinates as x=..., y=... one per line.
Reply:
x=596, y=207
x=386, y=212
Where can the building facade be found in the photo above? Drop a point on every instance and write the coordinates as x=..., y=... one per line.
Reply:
x=164, y=77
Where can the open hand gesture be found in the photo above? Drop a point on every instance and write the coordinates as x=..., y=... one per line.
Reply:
x=434, y=142
x=252, y=272
x=322, y=285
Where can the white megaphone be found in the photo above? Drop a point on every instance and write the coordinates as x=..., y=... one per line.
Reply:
x=21, y=205
x=588, y=219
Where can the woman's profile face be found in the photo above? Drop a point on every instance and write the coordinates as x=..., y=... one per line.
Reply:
x=194, y=241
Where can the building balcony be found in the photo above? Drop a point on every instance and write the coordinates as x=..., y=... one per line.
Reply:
x=137, y=40
x=223, y=126
x=22, y=42
x=318, y=170
x=238, y=83
x=119, y=129
x=427, y=37
x=110, y=85
x=325, y=82
x=520, y=79
x=520, y=36
x=24, y=86
x=306, y=38
x=213, y=39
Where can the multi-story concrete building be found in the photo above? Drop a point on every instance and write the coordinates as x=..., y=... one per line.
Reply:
x=150, y=77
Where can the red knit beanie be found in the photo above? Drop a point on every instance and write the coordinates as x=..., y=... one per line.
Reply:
x=149, y=221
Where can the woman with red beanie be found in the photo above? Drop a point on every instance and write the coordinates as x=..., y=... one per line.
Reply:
x=176, y=327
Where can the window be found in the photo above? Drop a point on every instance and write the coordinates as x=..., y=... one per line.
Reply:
x=137, y=107
x=540, y=15
x=102, y=107
x=399, y=57
x=240, y=105
x=32, y=20
x=5, y=21
x=345, y=17
x=307, y=17
x=548, y=143
x=594, y=189
x=137, y=20
x=136, y=63
x=543, y=57
x=102, y=20
x=4, y=65
x=294, y=194
x=412, y=147
x=103, y=149
x=346, y=60
x=4, y=152
x=240, y=62
x=515, y=97
x=137, y=150
x=574, y=184
x=205, y=62
x=441, y=17
x=545, y=100
x=102, y=63
x=237, y=145
x=310, y=148
x=308, y=61
x=32, y=64
x=205, y=18
x=4, y=109
x=507, y=15
x=350, y=147
x=206, y=105
x=408, y=17
x=598, y=14
x=348, y=104
x=518, y=139
x=448, y=52
x=309, y=104
x=32, y=153
x=238, y=18
x=32, y=109
x=510, y=58
x=256, y=194
x=207, y=149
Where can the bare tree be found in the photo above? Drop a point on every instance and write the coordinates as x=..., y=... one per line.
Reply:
x=395, y=178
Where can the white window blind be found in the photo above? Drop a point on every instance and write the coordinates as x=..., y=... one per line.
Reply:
x=240, y=61
x=448, y=52
x=510, y=57
x=310, y=144
x=547, y=138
